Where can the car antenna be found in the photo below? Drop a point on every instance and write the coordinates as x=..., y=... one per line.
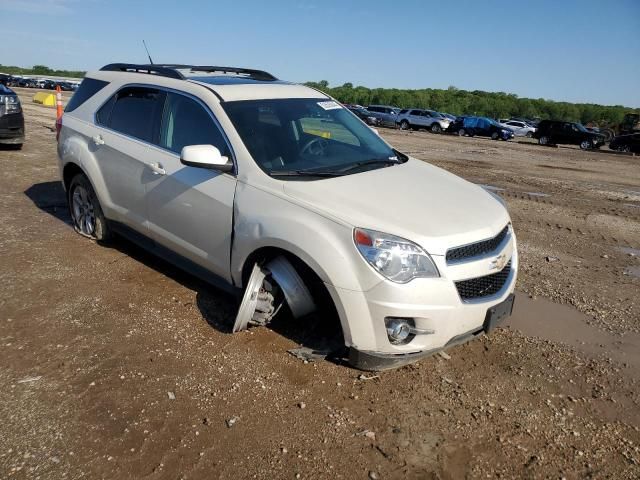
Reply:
x=148, y=54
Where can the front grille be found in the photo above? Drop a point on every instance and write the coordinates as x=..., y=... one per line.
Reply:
x=477, y=249
x=483, y=286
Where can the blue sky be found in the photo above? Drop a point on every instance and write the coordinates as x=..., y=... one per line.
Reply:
x=582, y=51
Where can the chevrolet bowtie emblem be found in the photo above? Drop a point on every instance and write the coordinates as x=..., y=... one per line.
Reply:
x=499, y=262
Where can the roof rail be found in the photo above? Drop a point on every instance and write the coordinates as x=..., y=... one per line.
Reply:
x=160, y=70
x=248, y=72
x=172, y=70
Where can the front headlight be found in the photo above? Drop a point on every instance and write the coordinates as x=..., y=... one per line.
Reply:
x=395, y=258
x=11, y=103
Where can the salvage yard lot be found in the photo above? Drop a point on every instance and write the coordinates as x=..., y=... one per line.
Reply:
x=117, y=365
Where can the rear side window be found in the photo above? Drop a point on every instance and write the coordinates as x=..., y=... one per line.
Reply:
x=134, y=111
x=87, y=89
x=186, y=122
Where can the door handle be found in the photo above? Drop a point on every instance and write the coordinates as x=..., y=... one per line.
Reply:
x=98, y=140
x=157, y=169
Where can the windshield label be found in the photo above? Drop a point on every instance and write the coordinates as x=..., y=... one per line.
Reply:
x=329, y=105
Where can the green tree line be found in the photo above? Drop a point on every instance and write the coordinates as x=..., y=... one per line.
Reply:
x=489, y=104
x=40, y=70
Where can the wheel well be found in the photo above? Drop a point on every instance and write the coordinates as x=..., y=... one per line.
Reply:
x=311, y=279
x=70, y=171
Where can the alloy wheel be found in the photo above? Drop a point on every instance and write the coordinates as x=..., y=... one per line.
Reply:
x=84, y=217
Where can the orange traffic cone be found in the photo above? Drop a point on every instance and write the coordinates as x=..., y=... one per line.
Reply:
x=59, y=111
x=58, y=102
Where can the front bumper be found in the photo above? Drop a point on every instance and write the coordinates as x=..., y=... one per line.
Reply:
x=12, y=129
x=434, y=304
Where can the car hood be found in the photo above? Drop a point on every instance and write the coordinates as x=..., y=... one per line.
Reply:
x=414, y=200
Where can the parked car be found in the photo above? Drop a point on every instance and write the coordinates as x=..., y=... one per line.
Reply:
x=363, y=114
x=520, y=128
x=482, y=127
x=417, y=118
x=385, y=114
x=26, y=83
x=11, y=118
x=64, y=86
x=626, y=143
x=49, y=85
x=274, y=191
x=552, y=132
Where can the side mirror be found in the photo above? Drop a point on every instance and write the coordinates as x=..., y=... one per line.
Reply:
x=205, y=156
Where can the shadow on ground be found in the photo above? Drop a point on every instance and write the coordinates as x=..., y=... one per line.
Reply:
x=320, y=331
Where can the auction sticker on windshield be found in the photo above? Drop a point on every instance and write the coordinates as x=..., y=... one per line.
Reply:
x=329, y=105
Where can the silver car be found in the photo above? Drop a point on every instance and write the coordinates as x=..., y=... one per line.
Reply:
x=520, y=129
x=417, y=118
x=385, y=114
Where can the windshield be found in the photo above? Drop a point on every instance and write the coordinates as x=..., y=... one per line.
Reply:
x=294, y=135
x=581, y=127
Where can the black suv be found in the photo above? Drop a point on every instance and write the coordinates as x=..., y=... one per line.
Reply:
x=626, y=143
x=11, y=118
x=551, y=132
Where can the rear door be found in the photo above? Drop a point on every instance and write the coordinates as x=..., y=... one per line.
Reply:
x=416, y=118
x=191, y=209
x=127, y=124
x=517, y=128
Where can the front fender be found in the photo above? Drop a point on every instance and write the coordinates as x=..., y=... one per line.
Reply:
x=264, y=219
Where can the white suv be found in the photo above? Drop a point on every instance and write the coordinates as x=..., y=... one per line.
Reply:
x=277, y=192
x=417, y=118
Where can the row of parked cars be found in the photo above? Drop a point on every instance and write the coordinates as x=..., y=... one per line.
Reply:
x=42, y=83
x=547, y=132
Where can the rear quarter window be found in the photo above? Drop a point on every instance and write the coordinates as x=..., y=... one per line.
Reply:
x=87, y=89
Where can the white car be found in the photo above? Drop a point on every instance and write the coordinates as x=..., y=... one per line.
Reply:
x=417, y=118
x=520, y=129
x=277, y=192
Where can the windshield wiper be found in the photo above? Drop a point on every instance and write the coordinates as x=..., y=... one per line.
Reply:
x=375, y=161
x=304, y=173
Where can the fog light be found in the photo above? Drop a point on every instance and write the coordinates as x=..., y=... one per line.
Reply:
x=399, y=330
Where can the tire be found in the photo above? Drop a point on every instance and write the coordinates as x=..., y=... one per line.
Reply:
x=529, y=134
x=436, y=128
x=404, y=125
x=86, y=214
x=624, y=149
x=494, y=136
x=586, y=145
x=544, y=140
x=462, y=132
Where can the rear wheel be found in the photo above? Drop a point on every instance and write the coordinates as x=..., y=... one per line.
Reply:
x=436, y=128
x=625, y=149
x=404, y=125
x=543, y=140
x=462, y=132
x=86, y=213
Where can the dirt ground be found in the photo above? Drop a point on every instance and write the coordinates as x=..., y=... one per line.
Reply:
x=117, y=365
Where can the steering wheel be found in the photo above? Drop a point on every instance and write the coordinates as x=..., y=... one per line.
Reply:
x=316, y=147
